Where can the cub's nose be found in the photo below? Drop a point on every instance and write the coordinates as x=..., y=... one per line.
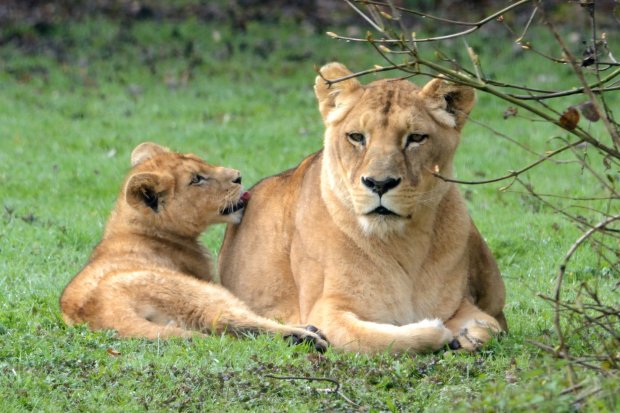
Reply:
x=237, y=180
x=380, y=187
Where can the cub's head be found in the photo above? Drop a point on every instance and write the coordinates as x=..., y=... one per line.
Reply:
x=180, y=193
x=384, y=140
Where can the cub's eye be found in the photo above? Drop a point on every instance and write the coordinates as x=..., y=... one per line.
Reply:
x=197, y=179
x=356, y=137
x=416, y=138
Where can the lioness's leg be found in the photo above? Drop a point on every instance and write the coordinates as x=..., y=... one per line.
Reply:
x=346, y=330
x=193, y=304
x=471, y=326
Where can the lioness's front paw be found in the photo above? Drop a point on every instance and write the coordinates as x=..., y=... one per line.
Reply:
x=308, y=334
x=429, y=334
x=474, y=335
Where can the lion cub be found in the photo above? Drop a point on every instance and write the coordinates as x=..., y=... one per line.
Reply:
x=149, y=276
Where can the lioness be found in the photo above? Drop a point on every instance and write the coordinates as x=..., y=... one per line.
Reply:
x=149, y=276
x=362, y=239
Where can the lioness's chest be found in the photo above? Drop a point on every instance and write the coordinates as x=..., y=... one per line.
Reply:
x=383, y=288
x=401, y=294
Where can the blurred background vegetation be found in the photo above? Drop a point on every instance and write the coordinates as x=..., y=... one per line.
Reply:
x=20, y=17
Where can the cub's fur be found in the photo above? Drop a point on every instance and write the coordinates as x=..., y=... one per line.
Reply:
x=149, y=276
x=362, y=239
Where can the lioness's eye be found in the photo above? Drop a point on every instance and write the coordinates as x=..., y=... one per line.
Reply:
x=356, y=137
x=197, y=179
x=416, y=138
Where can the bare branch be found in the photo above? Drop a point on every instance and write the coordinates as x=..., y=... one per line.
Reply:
x=512, y=174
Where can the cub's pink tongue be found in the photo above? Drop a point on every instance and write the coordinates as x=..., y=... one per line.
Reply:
x=245, y=196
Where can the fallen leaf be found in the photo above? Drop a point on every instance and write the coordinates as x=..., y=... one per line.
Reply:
x=113, y=352
x=569, y=118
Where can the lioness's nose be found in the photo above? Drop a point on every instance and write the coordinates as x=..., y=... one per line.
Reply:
x=380, y=187
x=237, y=180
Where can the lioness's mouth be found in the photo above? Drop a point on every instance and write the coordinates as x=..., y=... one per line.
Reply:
x=381, y=210
x=238, y=206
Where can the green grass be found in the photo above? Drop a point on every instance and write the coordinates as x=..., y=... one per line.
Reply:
x=74, y=105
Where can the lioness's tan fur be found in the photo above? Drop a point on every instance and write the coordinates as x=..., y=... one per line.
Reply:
x=149, y=276
x=404, y=269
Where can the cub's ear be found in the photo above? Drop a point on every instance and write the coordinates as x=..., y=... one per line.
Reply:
x=331, y=96
x=148, y=190
x=449, y=103
x=144, y=151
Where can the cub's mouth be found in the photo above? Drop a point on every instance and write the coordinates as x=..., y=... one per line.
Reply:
x=381, y=210
x=231, y=209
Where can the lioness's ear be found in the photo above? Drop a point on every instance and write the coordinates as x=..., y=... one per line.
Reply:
x=144, y=151
x=330, y=95
x=449, y=103
x=148, y=190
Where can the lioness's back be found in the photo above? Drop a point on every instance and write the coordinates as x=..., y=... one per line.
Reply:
x=274, y=203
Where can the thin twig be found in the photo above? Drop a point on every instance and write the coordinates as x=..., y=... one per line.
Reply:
x=606, y=121
x=592, y=320
x=330, y=82
x=527, y=25
x=588, y=393
x=565, y=355
x=560, y=278
x=572, y=198
x=335, y=382
x=475, y=26
x=368, y=19
x=512, y=174
x=565, y=93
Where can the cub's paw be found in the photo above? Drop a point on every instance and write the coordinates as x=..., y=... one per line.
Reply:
x=308, y=334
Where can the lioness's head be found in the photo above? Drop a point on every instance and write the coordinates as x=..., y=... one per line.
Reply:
x=181, y=193
x=384, y=140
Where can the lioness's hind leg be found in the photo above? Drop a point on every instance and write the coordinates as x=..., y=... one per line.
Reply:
x=472, y=327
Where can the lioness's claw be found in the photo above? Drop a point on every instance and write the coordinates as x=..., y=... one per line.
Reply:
x=315, y=330
x=294, y=339
x=314, y=337
x=454, y=344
